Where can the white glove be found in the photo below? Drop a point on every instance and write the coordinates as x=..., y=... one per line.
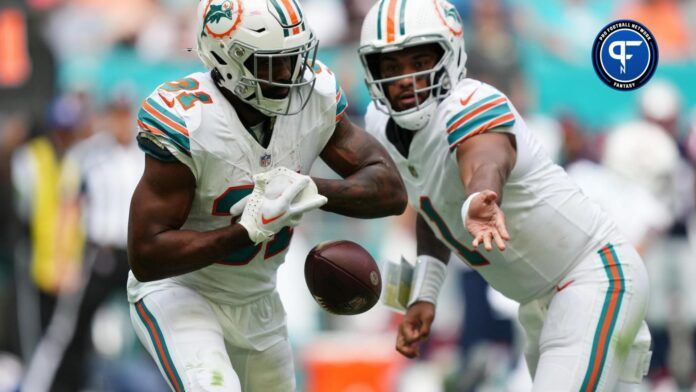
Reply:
x=279, y=199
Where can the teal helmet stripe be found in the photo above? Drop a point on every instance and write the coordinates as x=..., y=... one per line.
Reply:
x=379, y=19
x=402, y=16
x=281, y=12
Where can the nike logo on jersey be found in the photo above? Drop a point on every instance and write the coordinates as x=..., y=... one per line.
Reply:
x=559, y=288
x=267, y=221
x=465, y=102
x=166, y=101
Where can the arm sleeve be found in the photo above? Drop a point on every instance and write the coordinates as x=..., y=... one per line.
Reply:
x=491, y=113
x=333, y=104
x=341, y=103
x=163, y=133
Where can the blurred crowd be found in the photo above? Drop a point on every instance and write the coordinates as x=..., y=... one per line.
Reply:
x=72, y=74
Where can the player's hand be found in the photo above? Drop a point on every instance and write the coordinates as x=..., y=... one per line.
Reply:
x=415, y=328
x=485, y=221
x=279, y=199
x=280, y=178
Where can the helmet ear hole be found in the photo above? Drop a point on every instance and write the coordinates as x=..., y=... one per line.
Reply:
x=373, y=65
x=218, y=58
x=439, y=50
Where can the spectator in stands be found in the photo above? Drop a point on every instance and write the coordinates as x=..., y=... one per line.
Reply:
x=492, y=51
x=672, y=318
x=109, y=165
x=50, y=253
x=691, y=142
x=666, y=20
x=633, y=185
x=565, y=28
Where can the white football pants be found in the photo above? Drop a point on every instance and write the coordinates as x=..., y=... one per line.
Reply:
x=589, y=333
x=184, y=334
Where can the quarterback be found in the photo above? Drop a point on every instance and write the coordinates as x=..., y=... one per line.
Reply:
x=227, y=157
x=484, y=189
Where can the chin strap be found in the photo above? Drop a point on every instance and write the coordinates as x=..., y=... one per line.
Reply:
x=428, y=277
x=416, y=120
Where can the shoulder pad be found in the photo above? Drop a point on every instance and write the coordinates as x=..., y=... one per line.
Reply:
x=173, y=109
x=328, y=86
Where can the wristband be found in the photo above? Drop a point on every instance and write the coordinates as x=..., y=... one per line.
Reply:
x=465, y=207
x=428, y=277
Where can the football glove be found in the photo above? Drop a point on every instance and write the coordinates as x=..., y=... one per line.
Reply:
x=279, y=199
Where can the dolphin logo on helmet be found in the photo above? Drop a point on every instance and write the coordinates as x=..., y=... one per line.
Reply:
x=218, y=19
x=216, y=13
x=451, y=18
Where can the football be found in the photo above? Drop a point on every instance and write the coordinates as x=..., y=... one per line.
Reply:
x=343, y=277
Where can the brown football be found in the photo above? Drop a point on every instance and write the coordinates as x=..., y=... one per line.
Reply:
x=342, y=277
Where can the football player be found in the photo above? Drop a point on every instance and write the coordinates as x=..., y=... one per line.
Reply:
x=227, y=157
x=480, y=180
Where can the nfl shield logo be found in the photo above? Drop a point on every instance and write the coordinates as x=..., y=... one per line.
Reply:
x=265, y=160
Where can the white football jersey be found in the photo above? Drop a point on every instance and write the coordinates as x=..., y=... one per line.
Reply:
x=552, y=225
x=193, y=121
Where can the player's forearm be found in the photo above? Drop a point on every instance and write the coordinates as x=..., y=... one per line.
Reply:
x=176, y=252
x=486, y=176
x=372, y=192
x=485, y=162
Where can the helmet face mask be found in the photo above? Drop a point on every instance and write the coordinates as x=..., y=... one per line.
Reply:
x=273, y=82
x=437, y=80
x=266, y=62
x=389, y=28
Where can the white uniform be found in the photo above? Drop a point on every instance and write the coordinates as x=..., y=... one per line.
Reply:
x=555, y=232
x=196, y=125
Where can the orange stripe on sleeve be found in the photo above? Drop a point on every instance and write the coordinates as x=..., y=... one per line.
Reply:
x=483, y=128
x=149, y=128
x=476, y=112
x=497, y=122
x=148, y=108
x=340, y=116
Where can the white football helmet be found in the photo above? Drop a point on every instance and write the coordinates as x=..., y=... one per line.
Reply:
x=643, y=152
x=236, y=37
x=393, y=25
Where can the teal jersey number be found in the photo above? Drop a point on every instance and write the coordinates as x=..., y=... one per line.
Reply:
x=473, y=257
x=243, y=256
x=187, y=100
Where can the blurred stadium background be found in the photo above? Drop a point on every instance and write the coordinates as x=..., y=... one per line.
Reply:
x=72, y=74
